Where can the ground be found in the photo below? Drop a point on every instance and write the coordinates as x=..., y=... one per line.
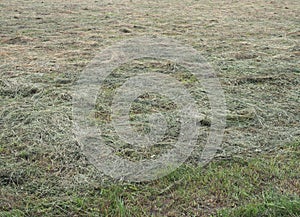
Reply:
x=253, y=46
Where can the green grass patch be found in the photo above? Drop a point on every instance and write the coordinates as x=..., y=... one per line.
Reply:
x=271, y=204
x=261, y=185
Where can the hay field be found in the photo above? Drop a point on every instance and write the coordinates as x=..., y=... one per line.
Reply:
x=254, y=48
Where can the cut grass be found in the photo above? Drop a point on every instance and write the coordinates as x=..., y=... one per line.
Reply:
x=262, y=185
x=252, y=45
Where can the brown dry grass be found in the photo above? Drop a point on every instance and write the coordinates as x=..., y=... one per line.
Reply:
x=252, y=45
